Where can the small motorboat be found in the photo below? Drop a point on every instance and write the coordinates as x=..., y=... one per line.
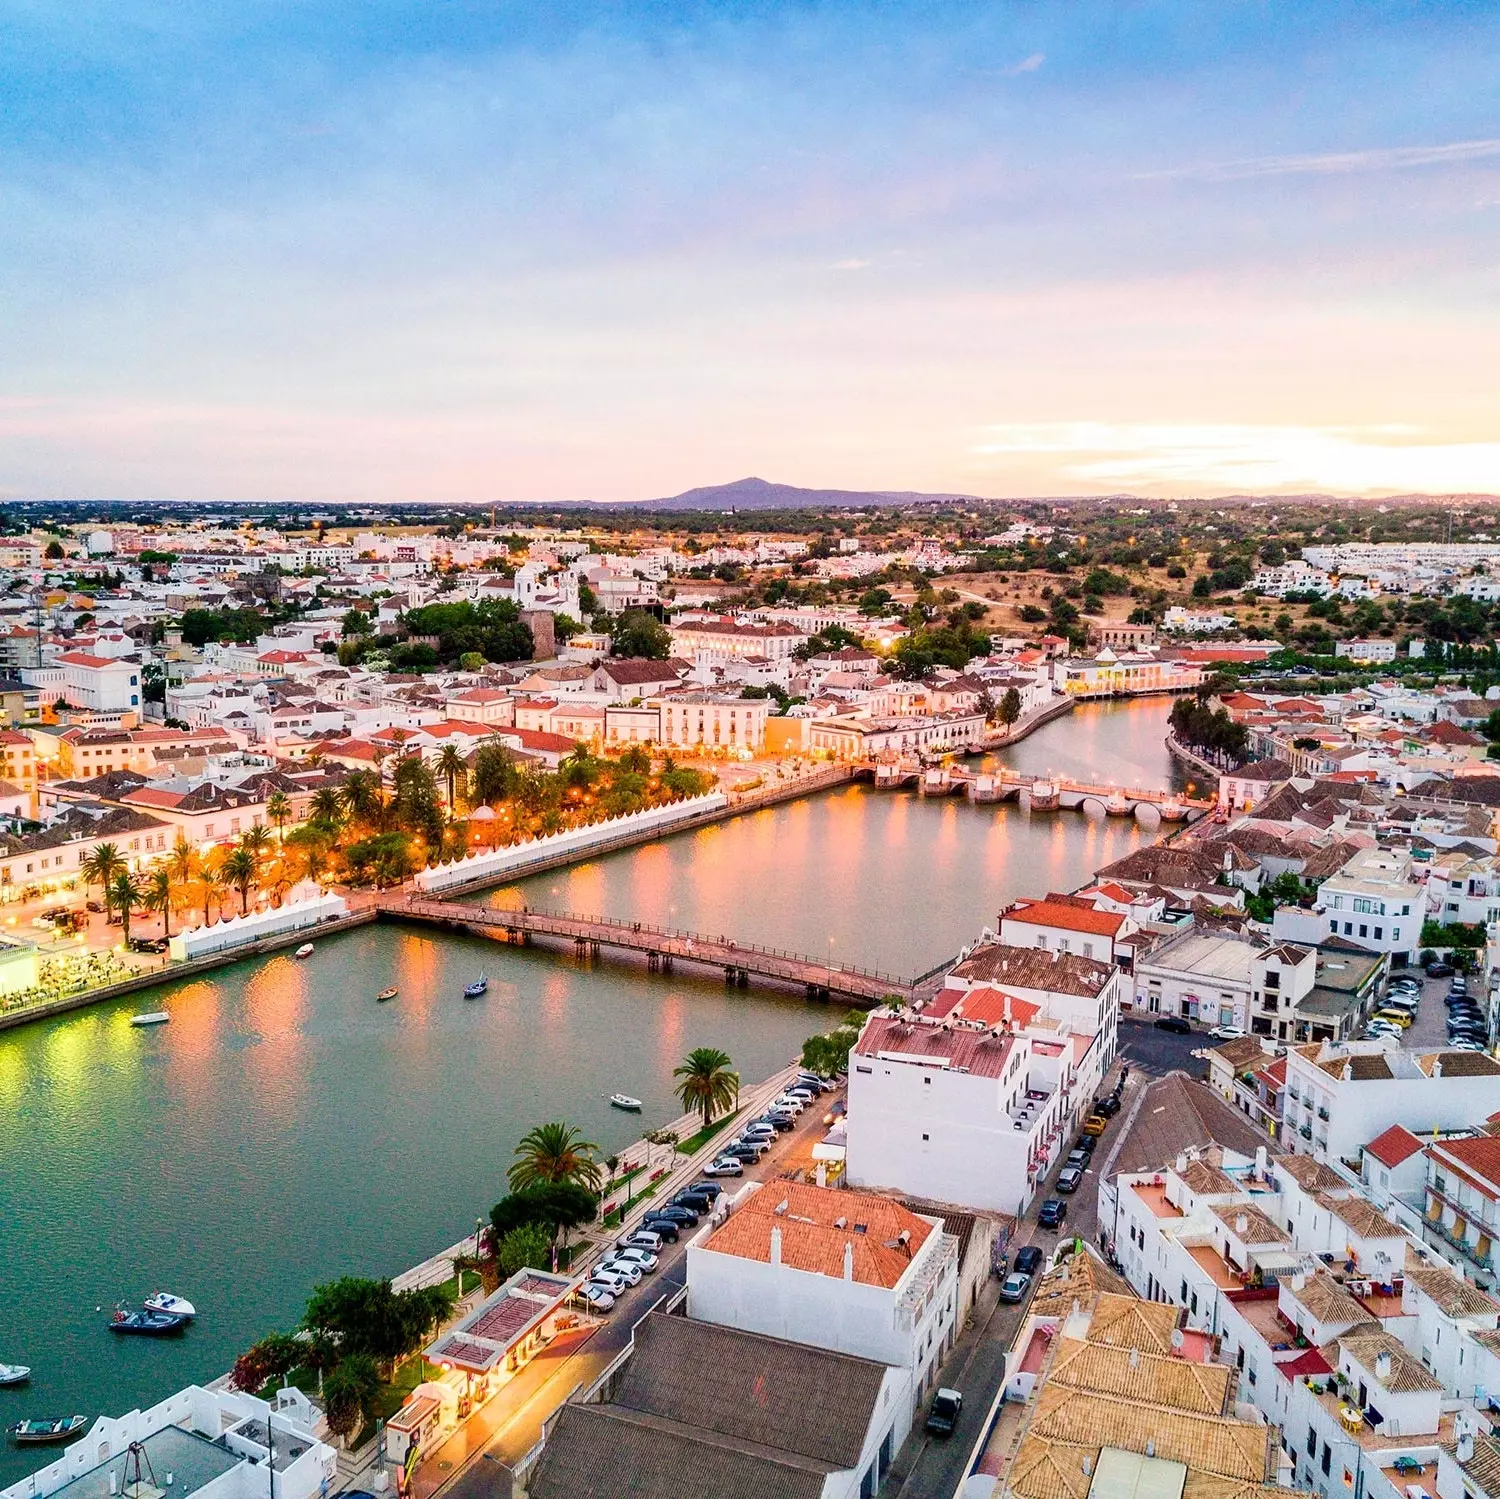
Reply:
x=1117, y=806
x=151, y=1017
x=626, y=1102
x=147, y=1324
x=45, y=1429
x=174, y=1306
x=14, y=1373
x=305, y=951
x=386, y=994
x=478, y=987
x=1173, y=811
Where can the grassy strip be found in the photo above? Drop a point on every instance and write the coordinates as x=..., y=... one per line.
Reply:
x=694, y=1143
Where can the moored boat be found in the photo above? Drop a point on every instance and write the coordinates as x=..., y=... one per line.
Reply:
x=151, y=1017
x=147, y=1324
x=305, y=951
x=1117, y=806
x=478, y=987
x=1173, y=811
x=386, y=994
x=165, y=1301
x=45, y=1429
x=14, y=1373
x=626, y=1102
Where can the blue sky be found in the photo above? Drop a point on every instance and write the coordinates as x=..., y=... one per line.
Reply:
x=524, y=251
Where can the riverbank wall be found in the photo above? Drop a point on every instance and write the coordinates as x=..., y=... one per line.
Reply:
x=1184, y=756
x=1029, y=723
x=172, y=972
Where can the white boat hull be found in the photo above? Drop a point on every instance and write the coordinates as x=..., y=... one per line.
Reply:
x=165, y=1301
x=154, y=1017
x=305, y=951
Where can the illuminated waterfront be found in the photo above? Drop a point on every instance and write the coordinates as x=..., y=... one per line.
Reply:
x=284, y=1128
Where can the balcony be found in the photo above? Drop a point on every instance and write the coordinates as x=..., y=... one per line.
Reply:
x=1323, y=1114
x=1306, y=1132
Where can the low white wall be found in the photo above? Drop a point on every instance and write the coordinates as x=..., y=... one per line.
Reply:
x=517, y=855
x=198, y=941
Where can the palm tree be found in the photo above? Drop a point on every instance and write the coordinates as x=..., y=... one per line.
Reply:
x=208, y=879
x=183, y=862
x=257, y=840
x=327, y=806
x=125, y=892
x=707, y=1082
x=159, y=896
x=554, y=1153
x=239, y=869
x=450, y=764
x=361, y=797
x=100, y=867
x=278, y=809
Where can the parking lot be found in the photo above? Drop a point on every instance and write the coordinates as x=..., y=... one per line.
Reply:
x=1429, y=1030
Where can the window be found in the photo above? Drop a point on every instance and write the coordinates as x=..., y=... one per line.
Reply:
x=1327, y=1457
x=1312, y=1442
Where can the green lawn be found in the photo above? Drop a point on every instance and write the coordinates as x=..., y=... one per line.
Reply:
x=695, y=1143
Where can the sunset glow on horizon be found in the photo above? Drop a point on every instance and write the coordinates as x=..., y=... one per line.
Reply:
x=388, y=251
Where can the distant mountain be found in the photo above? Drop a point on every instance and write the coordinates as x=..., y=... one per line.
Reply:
x=758, y=494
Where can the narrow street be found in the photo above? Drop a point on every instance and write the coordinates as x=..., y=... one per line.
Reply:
x=475, y=1462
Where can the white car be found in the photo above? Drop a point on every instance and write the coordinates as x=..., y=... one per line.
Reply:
x=1227, y=1033
x=726, y=1167
x=642, y=1259
x=787, y=1104
x=616, y=1277
x=598, y=1299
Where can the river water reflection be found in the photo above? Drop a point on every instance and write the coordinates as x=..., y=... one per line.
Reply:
x=285, y=1128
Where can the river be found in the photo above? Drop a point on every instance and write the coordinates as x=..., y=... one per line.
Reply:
x=285, y=1128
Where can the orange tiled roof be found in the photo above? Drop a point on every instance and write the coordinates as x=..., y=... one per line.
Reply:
x=819, y=1226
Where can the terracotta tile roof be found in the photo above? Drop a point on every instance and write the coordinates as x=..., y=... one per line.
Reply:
x=1484, y=1466
x=984, y=1005
x=1235, y=1449
x=1394, y=1145
x=1327, y=1301
x=1363, y=1068
x=1128, y=1322
x=1258, y=1229
x=1132, y=1375
x=1064, y=915
x=977, y=1051
x=1207, y=1180
x=1460, y=1064
x=1452, y=1294
x=1179, y=1113
x=1311, y=1175
x=1036, y=968
x=1480, y=1156
x=1081, y=1277
x=822, y=1229
x=1238, y=1054
x=1359, y=1216
x=1407, y=1374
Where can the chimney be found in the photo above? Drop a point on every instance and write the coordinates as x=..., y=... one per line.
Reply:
x=1242, y=1225
x=848, y=1259
x=1135, y=1358
x=1181, y=1162
x=1299, y=1281
x=1437, y=1066
x=1464, y=1448
x=776, y=1245
x=1382, y=1367
x=1260, y=1160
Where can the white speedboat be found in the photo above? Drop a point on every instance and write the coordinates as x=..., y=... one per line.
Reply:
x=305, y=951
x=626, y=1102
x=151, y=1017
x=14, y=1373
x=165, y=1301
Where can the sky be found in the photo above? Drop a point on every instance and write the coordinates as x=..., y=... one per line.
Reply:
x=495, y=250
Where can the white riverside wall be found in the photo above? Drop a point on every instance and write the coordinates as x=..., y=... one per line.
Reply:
x=501, y=861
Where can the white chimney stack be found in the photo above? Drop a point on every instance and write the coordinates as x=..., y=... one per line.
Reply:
x=776, y=1246
x=1181, y=1162
x=1260, y=1160
x=1464, y=1447
x=848, y=1259
x=1241, y=1225
x=1382, y=1367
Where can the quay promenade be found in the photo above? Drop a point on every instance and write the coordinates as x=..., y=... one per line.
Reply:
x=661, y=947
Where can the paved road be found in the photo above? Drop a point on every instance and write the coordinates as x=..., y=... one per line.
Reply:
x=1160, y=1052
x=541, y=1389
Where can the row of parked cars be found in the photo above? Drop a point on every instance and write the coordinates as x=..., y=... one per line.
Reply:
x=1468, y=1026
x=637, y=1253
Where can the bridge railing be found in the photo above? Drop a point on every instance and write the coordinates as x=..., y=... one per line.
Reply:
x=514, y=916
